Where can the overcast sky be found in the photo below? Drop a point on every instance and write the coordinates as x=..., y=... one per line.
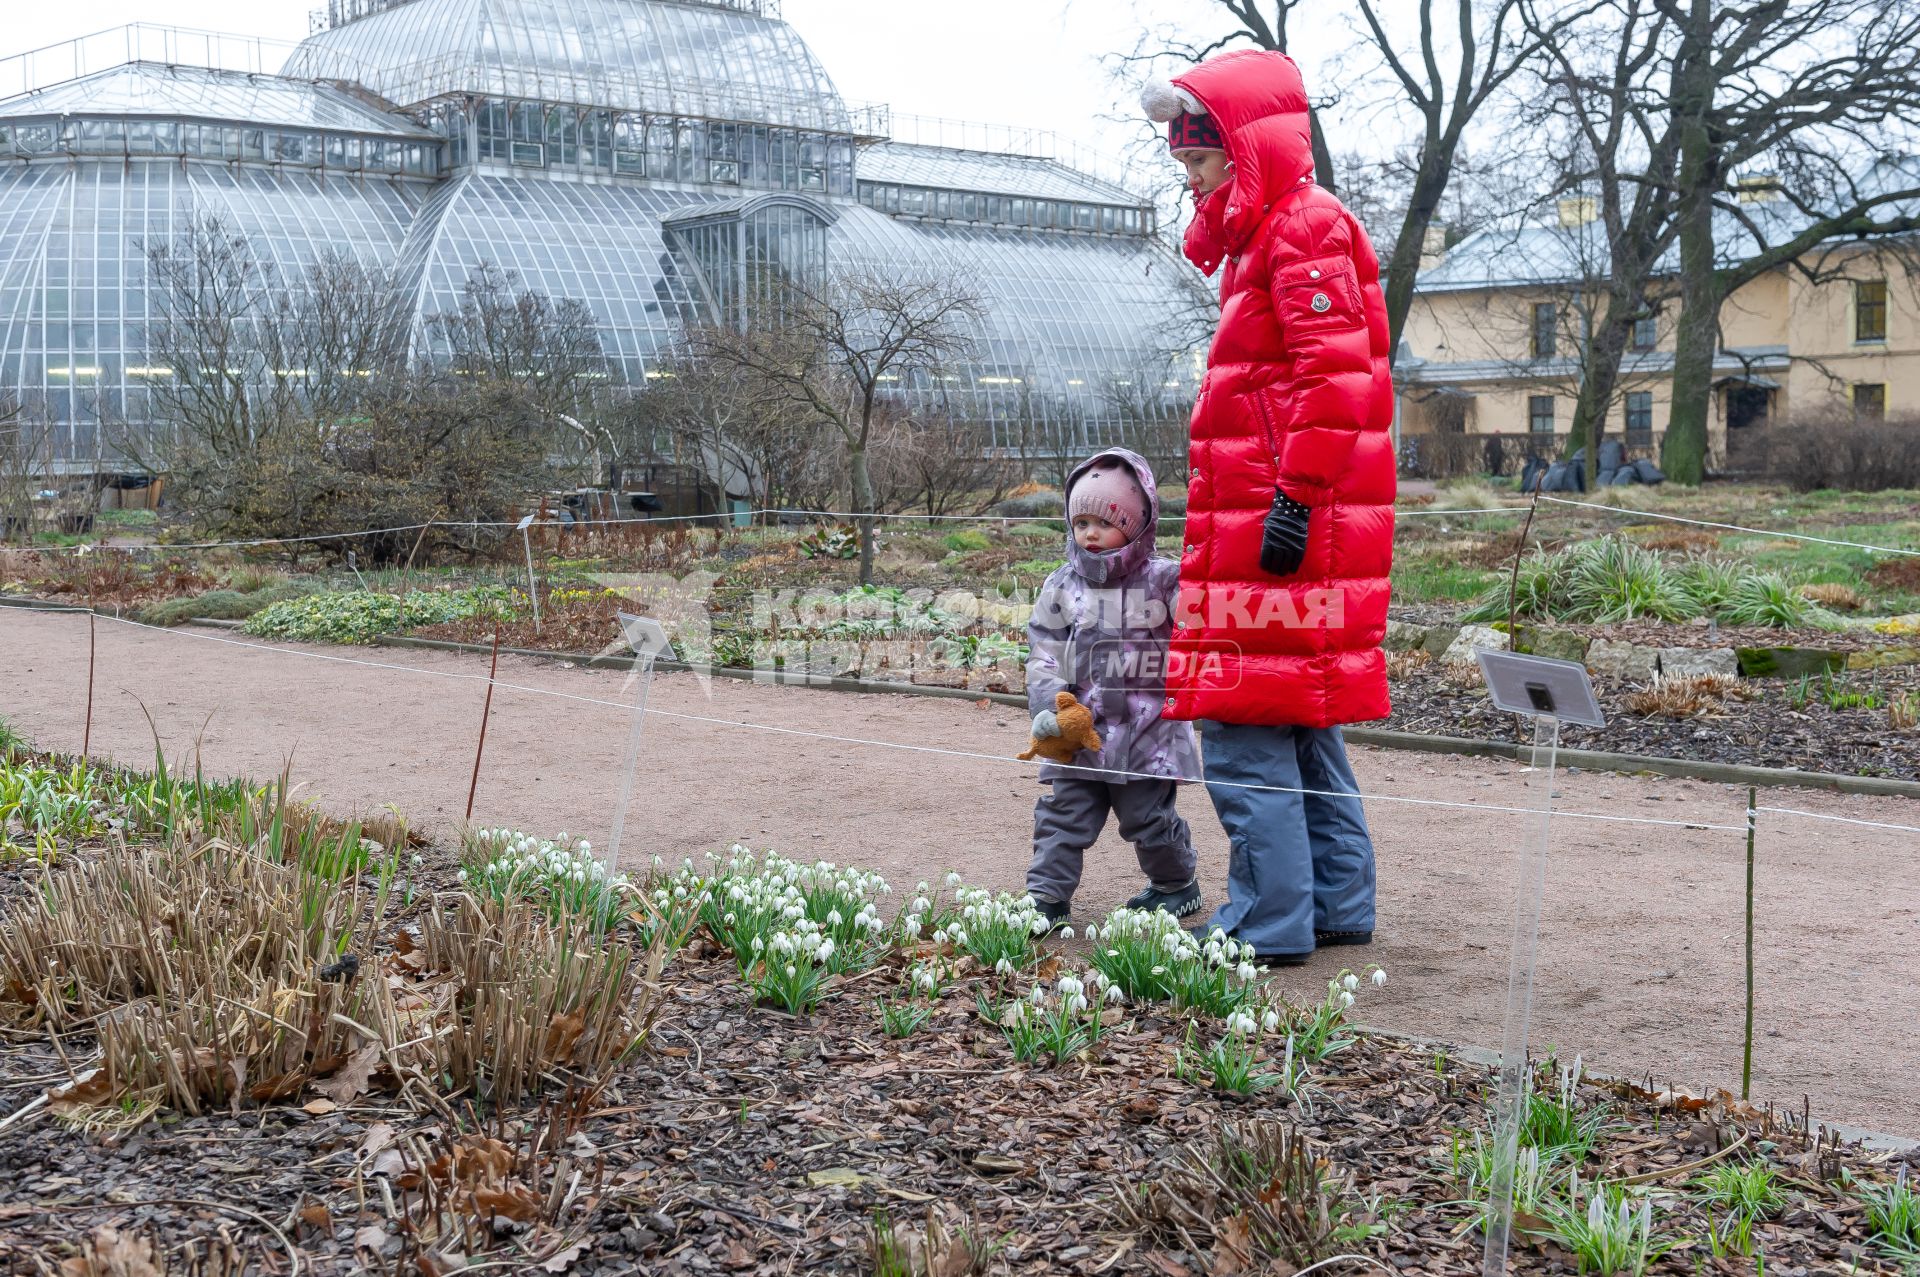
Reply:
x=1033, y=63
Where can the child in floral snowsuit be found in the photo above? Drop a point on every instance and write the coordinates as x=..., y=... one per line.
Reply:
x=1100, y=630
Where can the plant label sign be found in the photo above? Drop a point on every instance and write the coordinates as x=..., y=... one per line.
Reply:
x=648, y=640
x=1540, y=686
x=1549, y=692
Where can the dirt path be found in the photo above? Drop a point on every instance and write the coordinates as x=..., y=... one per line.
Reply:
x=1640, y=960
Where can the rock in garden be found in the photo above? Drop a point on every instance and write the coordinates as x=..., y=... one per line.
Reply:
x=1460, y=651
x=1611, y=658
x=1696, y=662
x=1403, y=637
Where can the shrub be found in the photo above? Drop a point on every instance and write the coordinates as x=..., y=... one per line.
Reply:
x=1833, y=450
x=359, y=616
x=220, y=605
x=1766, y=599
x=967, y=540
x=1615, y=580
x=1032, y=505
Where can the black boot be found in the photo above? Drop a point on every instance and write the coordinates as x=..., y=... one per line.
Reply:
x=1179, y=902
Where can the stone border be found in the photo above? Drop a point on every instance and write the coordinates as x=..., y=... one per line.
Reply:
x=1373, y=737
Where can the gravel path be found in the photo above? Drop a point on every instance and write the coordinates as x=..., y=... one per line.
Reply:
x=1641, y=961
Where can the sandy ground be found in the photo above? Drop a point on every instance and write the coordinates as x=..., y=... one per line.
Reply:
x=1641, y=966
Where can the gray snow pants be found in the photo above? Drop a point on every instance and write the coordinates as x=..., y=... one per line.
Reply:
x=1068, y=820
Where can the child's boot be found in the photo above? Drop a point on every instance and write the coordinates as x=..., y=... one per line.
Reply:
x=1178, y=901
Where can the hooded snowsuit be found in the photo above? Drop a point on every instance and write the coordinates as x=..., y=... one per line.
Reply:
x=1291, y=426
x=1099, y=630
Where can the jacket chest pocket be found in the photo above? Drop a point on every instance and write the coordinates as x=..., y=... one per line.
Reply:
x=1317, y=296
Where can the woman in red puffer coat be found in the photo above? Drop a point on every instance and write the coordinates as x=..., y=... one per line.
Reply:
x=1289, y=540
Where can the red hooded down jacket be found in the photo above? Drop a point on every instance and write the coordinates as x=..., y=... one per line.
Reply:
x=1297, y=393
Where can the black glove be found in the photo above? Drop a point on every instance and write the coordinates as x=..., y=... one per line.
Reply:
x=1283, y=541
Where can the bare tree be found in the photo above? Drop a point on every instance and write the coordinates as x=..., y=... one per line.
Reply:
x=1154, y=405
x=26, y=459
x=1824, y=95
x=941, y=464
x=1604, y=80
x=1448, y=67
x=291, y=405
x=837, y=349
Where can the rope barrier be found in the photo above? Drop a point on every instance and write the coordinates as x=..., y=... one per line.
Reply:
x=1483, y=808
x=718, y=519
x=1729, y=527
x=1841, y=820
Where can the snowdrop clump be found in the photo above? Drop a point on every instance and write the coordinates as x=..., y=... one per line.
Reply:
x=561, y=873
x=1147, y=955
x=997, y=930
x=1061, y=1022
x=750, y=901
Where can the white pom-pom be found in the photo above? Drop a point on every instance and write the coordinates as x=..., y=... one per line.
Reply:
x=1163, y=100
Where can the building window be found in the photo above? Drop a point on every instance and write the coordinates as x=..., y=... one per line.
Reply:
x=1543, y=331
x=1640, y=418
x=1646, y=332
x=1870, y=310
x=1869, y=400
x=1540, y=414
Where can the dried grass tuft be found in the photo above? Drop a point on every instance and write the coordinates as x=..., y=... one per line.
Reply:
x=1834, y=595
x=1401, y=665
x=1688, y=697
x=1254, y=1196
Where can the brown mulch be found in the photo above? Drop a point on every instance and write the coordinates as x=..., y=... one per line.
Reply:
x=746, y=1140
x=1763, y=732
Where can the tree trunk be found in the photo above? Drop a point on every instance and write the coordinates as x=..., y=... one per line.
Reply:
x=1683, y=453
x=1402, y=269
x=862, y=509
x=1601, y=376
x=1322, y=155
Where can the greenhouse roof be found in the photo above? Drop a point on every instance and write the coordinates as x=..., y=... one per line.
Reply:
x=198, y=93
x=948, y=169
x=640, y=55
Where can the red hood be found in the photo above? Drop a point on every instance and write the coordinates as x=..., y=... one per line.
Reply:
x=1259, y=103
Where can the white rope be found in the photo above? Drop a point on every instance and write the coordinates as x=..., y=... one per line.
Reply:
x=720, y=518
x=1729, y=527
x=1840, y=820
x=1483, y=808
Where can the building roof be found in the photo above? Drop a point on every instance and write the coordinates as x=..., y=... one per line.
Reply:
x=652, y=55
x=945, y=168
x=199, y=93
x=1517, y=257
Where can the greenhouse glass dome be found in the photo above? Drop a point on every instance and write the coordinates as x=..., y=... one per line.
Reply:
x=592, y=147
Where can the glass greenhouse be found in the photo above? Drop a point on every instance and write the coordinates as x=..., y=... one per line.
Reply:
x=634, y=154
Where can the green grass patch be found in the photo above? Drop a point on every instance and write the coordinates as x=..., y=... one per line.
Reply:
x=1419, y=578
x=359, y=616
x=967, y=541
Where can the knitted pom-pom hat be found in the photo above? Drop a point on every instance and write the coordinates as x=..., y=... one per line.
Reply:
x=1189, y=127
x=1109, y=490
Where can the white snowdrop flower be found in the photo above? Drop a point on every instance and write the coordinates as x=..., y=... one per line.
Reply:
x=924, y=979
x=922, y=888
x=826, y=948
x=940, y=935
x=1350, y=982
x=1016, y=1013
x=1346, y=1000
x=729, y=919
x=790, y=971
x=1270, y=1021
x=1069, y=986
x=1037, y=996
x=1093, y=932
x=874, y=923
x=1240, y=1022
x=1066, y=933
x=1157, y=970
x=953, y=879
x=1246, y=971
x=463, y=875
x=1003, y=967
x=960, y=937
x=970, y=913
x=1039, y=925
x=1076, y=1004
x=922, y=904
x=1380, y=978
x=833, y=918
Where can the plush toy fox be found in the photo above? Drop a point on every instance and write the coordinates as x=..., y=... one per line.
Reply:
x=1076, y=733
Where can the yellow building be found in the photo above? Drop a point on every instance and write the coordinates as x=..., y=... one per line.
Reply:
x=1493, y=344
